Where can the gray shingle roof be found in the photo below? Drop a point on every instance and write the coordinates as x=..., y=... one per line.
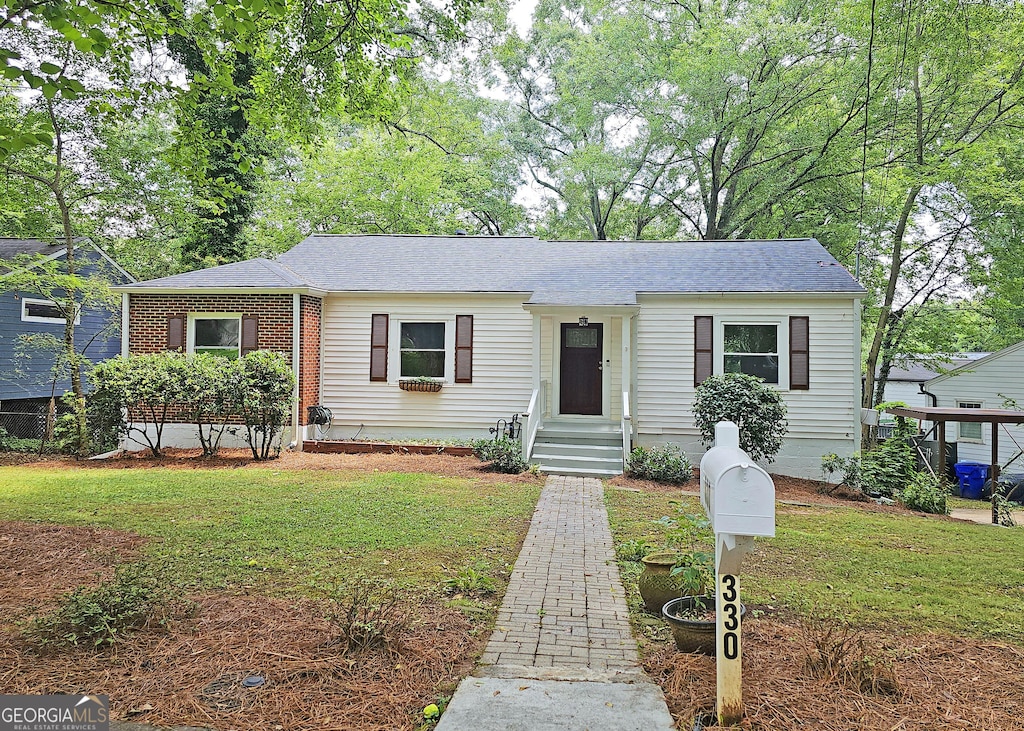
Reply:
x=253, y=273
x=10, y=248
x=563, y=272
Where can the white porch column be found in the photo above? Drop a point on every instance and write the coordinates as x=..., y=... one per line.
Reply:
x=536, y=352
x=627, y=358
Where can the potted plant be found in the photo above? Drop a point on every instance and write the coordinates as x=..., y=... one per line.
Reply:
x=691, y=619
x=683, y=567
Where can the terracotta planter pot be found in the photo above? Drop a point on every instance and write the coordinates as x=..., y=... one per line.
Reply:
x=656, y=583
x=692, y=635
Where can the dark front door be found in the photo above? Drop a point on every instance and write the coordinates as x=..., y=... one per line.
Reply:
x=580, y=384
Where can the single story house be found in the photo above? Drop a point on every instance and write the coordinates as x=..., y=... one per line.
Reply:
x=993, y=382
x=597, y=343
x=905, y=381
x=26, y=374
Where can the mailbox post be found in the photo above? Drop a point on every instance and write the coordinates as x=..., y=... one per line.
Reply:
x=739, y=499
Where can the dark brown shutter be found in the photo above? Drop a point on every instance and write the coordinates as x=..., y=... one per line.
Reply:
x=379, y=348
x=799, y=353
x=703, y=348
x=175, y=333
x=250, y=334
x=463, y=348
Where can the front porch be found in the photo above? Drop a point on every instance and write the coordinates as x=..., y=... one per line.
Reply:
x=579, y=420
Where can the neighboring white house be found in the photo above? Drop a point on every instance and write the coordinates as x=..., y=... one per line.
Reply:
x=904, y=384
x=594, y=342
x=985, y=383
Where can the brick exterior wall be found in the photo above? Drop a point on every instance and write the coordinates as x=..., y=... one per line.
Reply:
x=310, y=313
x=147, y=327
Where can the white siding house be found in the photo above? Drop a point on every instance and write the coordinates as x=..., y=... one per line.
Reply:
x=986, y=383
x=597, y=345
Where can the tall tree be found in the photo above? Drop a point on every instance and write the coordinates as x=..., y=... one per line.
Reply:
x=431, y=166
x=956, y=92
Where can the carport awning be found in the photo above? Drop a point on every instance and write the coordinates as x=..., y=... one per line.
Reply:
x=941, y=415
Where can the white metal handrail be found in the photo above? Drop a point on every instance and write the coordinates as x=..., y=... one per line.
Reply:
x=534, y=415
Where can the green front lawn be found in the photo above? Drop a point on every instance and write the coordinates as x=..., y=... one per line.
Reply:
x=285, y=531
x=898, y=571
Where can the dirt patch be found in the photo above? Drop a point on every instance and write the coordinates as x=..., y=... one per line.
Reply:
x=931, y=682
x=191, y=672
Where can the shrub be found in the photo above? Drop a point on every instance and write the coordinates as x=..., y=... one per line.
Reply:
x=664, y=464
x=205, y=395
x=756, y=408
x=504, y=454
x=104, y=614
x=847, y=467
x=924, y=493
x=261, y=390
x=145, y=387
x=889, y=467
x=368, y=615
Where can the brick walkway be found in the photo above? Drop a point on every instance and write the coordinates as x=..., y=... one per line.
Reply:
x=565, y=607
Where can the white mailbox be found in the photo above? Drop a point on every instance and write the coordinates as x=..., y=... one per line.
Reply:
x=737, y=495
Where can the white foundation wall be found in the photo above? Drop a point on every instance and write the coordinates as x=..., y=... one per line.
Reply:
x=823, y=419
x=502, y=367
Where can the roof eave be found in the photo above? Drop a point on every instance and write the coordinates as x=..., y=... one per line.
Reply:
x=136, y=289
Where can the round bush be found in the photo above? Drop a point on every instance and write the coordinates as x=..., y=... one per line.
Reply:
x=756, y=408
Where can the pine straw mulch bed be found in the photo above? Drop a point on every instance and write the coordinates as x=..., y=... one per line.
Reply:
x=884, y=683
x=444, y=465
x=190, y=671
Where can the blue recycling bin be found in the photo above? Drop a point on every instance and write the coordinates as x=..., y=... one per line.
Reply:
x=972, y=477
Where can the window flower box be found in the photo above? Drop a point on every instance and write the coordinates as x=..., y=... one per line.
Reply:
x=414, y=384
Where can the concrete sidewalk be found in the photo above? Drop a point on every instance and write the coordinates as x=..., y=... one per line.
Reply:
x=561, y=657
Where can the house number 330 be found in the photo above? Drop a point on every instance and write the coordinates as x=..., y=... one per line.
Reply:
x=731, y=617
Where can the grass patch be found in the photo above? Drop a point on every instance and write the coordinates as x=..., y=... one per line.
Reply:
x=284, y=531
x=895, y=571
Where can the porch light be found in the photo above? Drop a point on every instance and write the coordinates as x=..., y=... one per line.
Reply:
x=584, y=321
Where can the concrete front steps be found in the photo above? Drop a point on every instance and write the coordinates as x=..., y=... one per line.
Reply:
x=578, y=449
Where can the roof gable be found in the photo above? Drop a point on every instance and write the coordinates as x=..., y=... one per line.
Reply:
x=980, y=363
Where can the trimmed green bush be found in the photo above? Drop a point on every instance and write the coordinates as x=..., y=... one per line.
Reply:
x=924, y=493
x=504, y=454
x=755, y=407
x=663, y=464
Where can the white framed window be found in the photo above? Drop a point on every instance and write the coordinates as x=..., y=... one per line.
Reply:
x=215, y=333
x=44, y=311
x=969, y=431
x=423, y=349
x=754, y=348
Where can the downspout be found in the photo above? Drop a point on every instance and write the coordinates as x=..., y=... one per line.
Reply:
x=296, y=444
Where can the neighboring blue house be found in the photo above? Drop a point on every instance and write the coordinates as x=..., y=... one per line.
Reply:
x=26, y=377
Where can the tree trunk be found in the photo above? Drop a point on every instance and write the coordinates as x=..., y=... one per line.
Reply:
x=885, y=311
x=70, y=312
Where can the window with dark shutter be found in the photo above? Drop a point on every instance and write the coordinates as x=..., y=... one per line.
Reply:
x=799, y=353
x=703, y=348
x=176, y=333
x=463, y=348
x=379, y=348
x=250, y=334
